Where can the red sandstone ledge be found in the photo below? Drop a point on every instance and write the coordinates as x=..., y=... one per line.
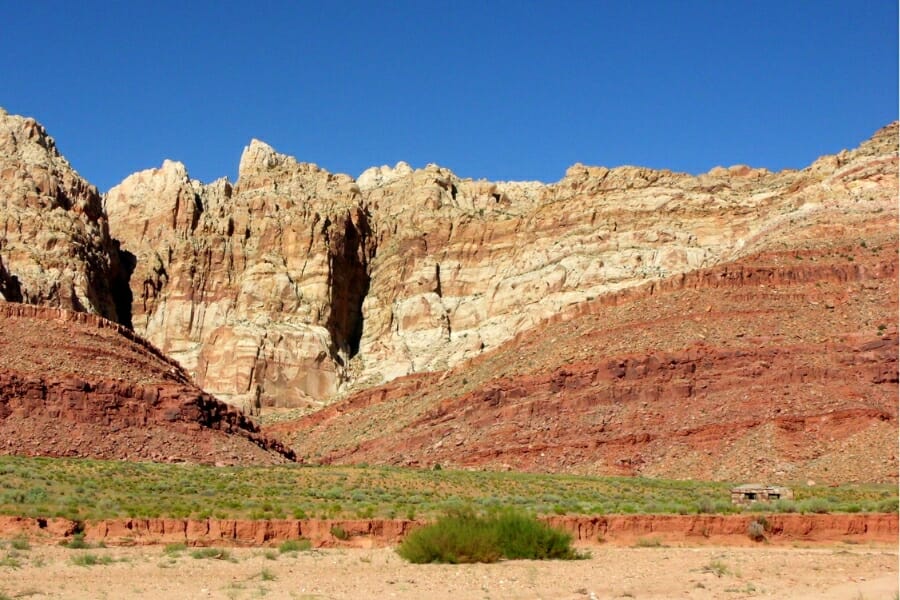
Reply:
x=729, y=530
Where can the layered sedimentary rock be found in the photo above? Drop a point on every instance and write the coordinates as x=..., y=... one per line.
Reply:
x=265, y=291
x=55, y=247
x=256, y=289
x=74, y=384
x=462, y=266
x=779, y=367
x=779, y=364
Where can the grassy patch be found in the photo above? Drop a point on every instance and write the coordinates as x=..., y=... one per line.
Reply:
x=215, y=553
x=76, y=542
x=465, y=537
x=175, y=549
x=20, y=543
x=294, y=546
x=89, y=560
x=82, y=489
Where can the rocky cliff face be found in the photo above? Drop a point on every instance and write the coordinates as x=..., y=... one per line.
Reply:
x=298, y=285
x=256, y=289
x=55, y=247
x=463, y=266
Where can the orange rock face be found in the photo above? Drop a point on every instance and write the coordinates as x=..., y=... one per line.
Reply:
x=616, y=529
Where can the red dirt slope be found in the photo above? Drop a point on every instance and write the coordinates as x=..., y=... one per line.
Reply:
x=74, y=384
x=781, y=365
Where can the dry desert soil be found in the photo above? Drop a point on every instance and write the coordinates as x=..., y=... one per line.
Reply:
x=835, y=572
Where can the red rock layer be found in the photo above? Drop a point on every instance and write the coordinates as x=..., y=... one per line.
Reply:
x=585, y=530
x=73, y=384
x=782, y=366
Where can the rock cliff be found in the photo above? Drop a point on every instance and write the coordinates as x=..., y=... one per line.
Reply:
x=463, y=266
x=297, y=286
x=55, y=247
x=621, y=320
x=256, y=288
x=777, y=363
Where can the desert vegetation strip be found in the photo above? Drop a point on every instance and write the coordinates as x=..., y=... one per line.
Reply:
x=81, y=489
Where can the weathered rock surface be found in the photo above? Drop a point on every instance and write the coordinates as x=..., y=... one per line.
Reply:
x=781, y=366
x=255, y=289
x=55, y=247
x=299, y=286
x=463, y=266
x=738, y=324
x=75, y=384
x=615, y=529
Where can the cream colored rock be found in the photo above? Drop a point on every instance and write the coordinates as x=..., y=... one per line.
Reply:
x=463, y=266
x=296, y=285
x=55, y=247
x=255, y=289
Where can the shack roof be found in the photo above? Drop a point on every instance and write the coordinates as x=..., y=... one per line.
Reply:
x=751, y=487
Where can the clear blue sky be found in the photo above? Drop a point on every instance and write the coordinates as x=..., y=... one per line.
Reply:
x=494, y=89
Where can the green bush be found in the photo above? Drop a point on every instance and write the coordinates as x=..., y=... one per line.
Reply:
x=175, y=548
x=89, y=560
x=294, y=546
x=465, y=537
x=815, y=505
x=76, y=543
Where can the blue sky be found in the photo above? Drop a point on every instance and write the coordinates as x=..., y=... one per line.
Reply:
x=497, y=90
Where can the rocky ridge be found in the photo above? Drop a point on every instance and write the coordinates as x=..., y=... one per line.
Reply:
x=492, y=309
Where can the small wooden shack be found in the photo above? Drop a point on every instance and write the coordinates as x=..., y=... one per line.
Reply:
x=756, y=492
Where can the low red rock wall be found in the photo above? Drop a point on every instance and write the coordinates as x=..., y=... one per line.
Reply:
x=616, y=529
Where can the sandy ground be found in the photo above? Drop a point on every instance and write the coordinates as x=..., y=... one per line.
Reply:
x=838, y=572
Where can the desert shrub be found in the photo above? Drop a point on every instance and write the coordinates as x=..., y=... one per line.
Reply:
x=89, y=560
x=76, y=543
x=706, y=505
x=761, y=507
x=785, y=506
x=339, y=532
x=757, y=528
x=815, y=505
x=465, y=537
x=217, y=553
x=888, y=505
x=20, y=543
x=175, y=548
x=294, y=546
x=717, y=568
